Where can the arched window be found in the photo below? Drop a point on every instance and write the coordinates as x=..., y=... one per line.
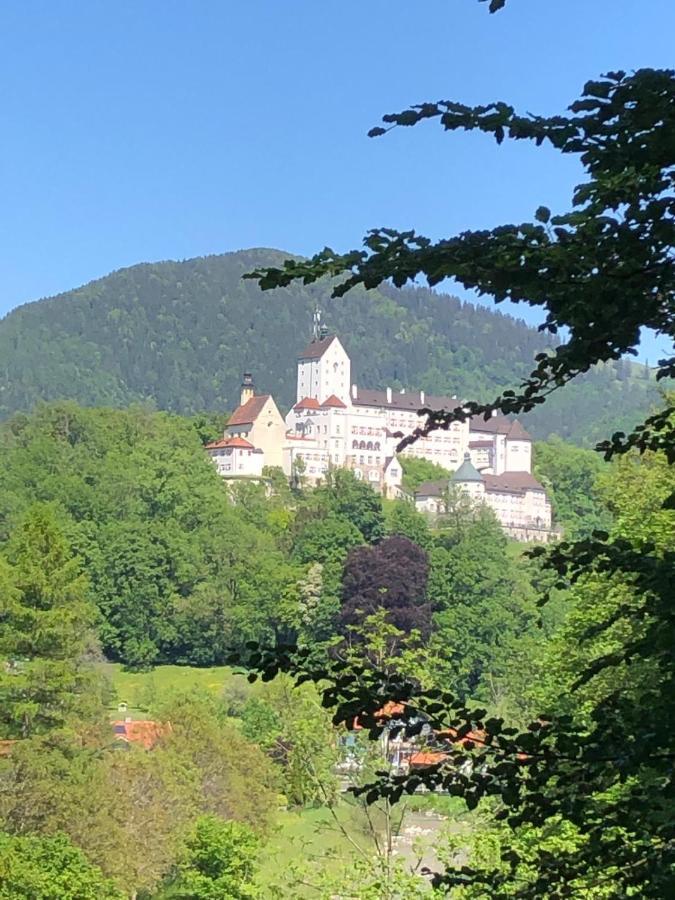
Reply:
x=376, y=445
x=362, y=445
x=358, y=474
x=369, y=445
x=355, y=445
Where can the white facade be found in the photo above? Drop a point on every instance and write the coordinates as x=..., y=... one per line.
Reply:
x=337, y=424
x=324, y=369
x=236, y=458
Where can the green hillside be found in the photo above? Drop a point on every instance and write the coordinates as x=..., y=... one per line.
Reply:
x=179, y=335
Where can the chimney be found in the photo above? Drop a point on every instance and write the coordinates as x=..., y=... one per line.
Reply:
x=355, y=392
x=422, y=398
x=247, y=388
x=388, y=395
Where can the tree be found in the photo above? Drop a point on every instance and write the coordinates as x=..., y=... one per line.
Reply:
x=49, y=868
x=402, y=518
x=570, y=476
x=392, y=576
x=481, y=603
x=347, y=497
x=218, y=863
x=601, y=271
x=45, y=628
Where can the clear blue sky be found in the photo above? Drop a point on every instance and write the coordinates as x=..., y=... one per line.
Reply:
x=141, y=130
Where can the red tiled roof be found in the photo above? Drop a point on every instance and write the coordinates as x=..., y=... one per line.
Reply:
x=231, y=442
x=249, y=412
x=307, y=403
x=316, y=349
x=473, y=737
x=144, y=732
x=334, y=401
x=512, y=482
x=426, y=758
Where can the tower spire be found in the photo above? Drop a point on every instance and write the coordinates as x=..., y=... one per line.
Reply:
x=316, y=324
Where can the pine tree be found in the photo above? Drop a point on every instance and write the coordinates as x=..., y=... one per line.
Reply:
x=45, y=620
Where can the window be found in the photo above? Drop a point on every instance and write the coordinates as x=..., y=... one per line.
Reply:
x=355, y=445
x=369, y=445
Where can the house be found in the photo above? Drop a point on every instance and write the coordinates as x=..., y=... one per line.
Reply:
x=145, y=733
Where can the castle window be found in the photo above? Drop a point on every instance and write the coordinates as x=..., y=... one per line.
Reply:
x=362, y=445
x=355, y=445
x=376, y=445
x=369, y=445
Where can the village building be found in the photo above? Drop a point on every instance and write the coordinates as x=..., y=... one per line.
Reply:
x=334, y=423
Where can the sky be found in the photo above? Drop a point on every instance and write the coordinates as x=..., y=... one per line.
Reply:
x=140, y=130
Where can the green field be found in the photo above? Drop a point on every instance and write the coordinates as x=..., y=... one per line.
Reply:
x=142, y=690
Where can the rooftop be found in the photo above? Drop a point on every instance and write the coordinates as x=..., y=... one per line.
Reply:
x=316, y=349
x=307, y=403
x=467, y=471
x=334, y=401
x=230, y=442
x=249, y=411
x=408, y=400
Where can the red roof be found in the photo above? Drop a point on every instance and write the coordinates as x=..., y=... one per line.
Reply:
x=334, y=401
x=249, y=412
x=316, y=349
x=426, y=758
x=307, y=403
x=230, y=442
x=143, y=732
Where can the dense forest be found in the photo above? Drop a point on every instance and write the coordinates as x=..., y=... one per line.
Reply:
x=180, y=334
x=119, y=542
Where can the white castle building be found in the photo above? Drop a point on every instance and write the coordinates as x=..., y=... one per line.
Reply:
x=335, y=423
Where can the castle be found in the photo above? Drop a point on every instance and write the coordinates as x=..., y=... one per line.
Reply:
x=335, y=423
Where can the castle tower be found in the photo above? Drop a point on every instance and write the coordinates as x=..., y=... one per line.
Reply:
x=324, y=369
x=247, y=388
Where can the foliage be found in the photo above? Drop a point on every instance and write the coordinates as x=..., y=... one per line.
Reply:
x=50, y=868
x=219, y=862
x=45, y=628
x=179, y=335
x=392, y=576
x=138, y=500
x=416, y=471
x=482, y=603
x=569, y=475
x=344, y=496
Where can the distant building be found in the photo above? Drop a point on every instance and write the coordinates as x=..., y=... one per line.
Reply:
x=517, y=499
x=143, y=732
x=337, y=424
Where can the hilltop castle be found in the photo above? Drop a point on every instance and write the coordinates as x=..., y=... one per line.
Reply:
x=335, y=423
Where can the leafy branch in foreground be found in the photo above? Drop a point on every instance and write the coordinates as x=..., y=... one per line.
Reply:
x=602, y=271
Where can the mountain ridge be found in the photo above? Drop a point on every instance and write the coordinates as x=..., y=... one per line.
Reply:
x=179, y=333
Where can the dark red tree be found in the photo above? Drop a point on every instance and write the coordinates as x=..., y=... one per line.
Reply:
x=391, y=575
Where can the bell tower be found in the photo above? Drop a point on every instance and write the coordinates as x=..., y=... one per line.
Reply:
x=247, y=388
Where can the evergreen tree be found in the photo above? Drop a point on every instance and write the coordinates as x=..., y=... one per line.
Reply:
x=45, y=629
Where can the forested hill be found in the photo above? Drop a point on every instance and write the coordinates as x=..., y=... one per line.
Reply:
x=179, y=334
